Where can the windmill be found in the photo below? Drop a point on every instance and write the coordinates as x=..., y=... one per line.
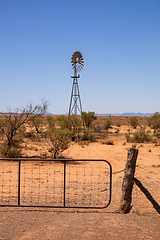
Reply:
x=77, y=62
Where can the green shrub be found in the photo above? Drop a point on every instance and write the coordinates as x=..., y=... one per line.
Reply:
x=88, y=118
x=157, y=134
x=134, y=122
x=118, y=124
x=108, y=124
x=128, y=137
x=140, y=136
x=37, y=122
x=97, y=127
x=72, y=123
x=31, y=134
x=50, y=121
x=59, y=140
x=34, y=136
x=88, y=136
x=154, y=121
x=11, y=152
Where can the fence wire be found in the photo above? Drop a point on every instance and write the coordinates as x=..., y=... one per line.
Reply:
x=63, y=183
x=8, y=182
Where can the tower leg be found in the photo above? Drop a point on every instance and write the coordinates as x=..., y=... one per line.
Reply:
x=75, y=101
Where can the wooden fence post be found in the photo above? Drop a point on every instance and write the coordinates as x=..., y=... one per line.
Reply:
x=128, y=181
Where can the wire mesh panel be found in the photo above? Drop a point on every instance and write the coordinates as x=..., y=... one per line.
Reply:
x=88, y=184
x=42, y=183
x=50, y=183
x=8, y=182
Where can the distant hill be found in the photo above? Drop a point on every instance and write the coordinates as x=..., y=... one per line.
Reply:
x=48, y=113
x=138, y=114
x=129, y=114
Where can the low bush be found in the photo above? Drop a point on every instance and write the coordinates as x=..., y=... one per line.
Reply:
x=140, y=136
x=154, y=122
x=97, y=128
x=88, y=118
x=33, y=136
x=128, y=136
x=134, y=122
x=157, y=133
x=11, y=152
x=118, y=124
x=107, y=124
x=37, y=123
x=88, y=136
x=58, y=140
x=51, y=121
x=109, y=142
x=117, y=130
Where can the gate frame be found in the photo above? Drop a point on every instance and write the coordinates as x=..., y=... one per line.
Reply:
x=64, y=161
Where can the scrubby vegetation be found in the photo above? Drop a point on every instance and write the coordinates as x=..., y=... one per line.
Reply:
x=88, y=118
x=58, y=140
x=12, y=127
x=139, y=136
x=154, y=122
x=108, y=124
x=134, y=121
x=49, y=136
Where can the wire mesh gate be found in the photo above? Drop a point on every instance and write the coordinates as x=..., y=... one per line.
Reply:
x=55, y=183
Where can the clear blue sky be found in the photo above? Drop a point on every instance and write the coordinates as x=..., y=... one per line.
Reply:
x=120, y=42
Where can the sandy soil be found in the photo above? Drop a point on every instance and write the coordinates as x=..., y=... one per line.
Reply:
x=143, y=222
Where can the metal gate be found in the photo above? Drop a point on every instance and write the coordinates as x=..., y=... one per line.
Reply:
x=55, y=183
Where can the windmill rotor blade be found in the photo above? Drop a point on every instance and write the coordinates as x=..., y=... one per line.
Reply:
x=77, y=58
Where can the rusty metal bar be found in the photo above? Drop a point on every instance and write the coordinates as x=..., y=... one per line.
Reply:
x=64, y=196
x=19, y=182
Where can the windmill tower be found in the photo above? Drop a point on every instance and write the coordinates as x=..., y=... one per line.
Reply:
x=75, y=101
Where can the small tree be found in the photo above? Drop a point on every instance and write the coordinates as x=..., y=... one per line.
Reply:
x=134, y=121
x=75, y=123
x=37, y=122
x=59, y=140
x=12, y=123
x=64, y=122
x=72, y=123
x=154, y=121
x=88, y=118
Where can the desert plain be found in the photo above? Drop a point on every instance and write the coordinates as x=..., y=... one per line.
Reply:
x=143, y=222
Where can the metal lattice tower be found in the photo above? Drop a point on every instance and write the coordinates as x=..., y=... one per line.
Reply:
x=75, y=101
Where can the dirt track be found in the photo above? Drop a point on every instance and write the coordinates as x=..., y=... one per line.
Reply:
x=55, y=224
x=142, y=223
